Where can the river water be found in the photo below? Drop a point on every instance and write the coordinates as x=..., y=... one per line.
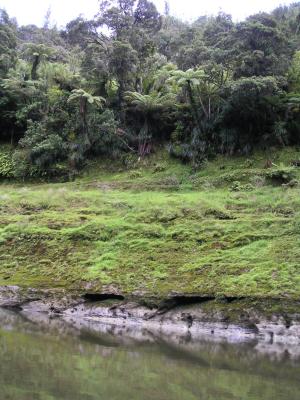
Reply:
x=48, y=360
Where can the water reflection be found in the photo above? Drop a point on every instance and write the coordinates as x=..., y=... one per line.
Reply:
x=54, y=360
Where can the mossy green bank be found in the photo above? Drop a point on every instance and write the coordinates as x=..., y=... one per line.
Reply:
x=157, y=227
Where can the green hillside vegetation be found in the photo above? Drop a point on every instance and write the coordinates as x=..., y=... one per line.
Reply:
x=231, y=229
x=131, y=79
x=149, y=155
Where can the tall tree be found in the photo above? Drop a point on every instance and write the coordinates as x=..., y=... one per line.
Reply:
x=8, y=43
x=36, y=53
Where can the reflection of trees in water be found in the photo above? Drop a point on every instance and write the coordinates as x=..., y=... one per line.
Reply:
x=68, y=364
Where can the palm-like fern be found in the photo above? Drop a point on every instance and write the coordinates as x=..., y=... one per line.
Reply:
x=36, y=53
x=18, y=84
x=84, y=98
x=189, y=77
x=188, y=81
x=57, y=73
x=147, y=105
x=82, y=95
x=201, y=86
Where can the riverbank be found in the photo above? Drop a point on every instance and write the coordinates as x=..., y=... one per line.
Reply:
x=158, y=228
x=230, y=319
x=161, y=246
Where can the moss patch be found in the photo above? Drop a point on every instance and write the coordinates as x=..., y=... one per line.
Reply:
x=134, y=231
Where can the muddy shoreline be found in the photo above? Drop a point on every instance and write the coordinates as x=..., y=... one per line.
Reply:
x=270, y=322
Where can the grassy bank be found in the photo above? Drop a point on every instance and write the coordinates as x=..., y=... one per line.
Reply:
x=158, y=227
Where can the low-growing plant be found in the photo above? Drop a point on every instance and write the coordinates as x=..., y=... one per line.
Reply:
x=281, y=175
x=6, y=165
x=258, y=181
x=238, y=187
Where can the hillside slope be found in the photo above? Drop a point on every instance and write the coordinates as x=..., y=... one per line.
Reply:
x=230, y=229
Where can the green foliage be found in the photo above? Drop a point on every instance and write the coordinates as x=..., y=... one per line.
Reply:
x=22, y=166
x=6, y=164
x=8, y=43
x=247, y=97
x=238, y=187
x=106, y=137
x=151, y=108
x=294, y=73
x=281, y=175
x=45, y=149
x=130, y=79
x=261, y=46
x=84, y=97
x=36, y=53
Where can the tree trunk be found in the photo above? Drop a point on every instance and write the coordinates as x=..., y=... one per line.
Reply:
x=34, y=68
x=193, y=105
x=12, y=134
x=83, y=113
x=120, y=100
x=143, y=138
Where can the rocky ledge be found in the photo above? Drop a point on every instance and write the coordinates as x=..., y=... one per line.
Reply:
x=197, y=317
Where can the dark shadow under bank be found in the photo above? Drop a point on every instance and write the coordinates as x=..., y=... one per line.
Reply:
x=271, y=323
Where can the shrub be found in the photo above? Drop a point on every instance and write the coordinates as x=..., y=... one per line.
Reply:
x=258, y=181
x=281, y=175
x=238, y=187
x=159, y=168
x=218, y=214
x=248, y=163
x=291, y=184
x=6, y=164
x=22, y=166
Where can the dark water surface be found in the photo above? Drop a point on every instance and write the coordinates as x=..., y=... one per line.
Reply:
x=55, y=361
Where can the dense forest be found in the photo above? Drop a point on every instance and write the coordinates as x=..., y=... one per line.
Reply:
x=131, y=79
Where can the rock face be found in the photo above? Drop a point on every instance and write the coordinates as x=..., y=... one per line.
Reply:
x=50, y=301
x=196, y=317
x=187, y=320
x=11, y=297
